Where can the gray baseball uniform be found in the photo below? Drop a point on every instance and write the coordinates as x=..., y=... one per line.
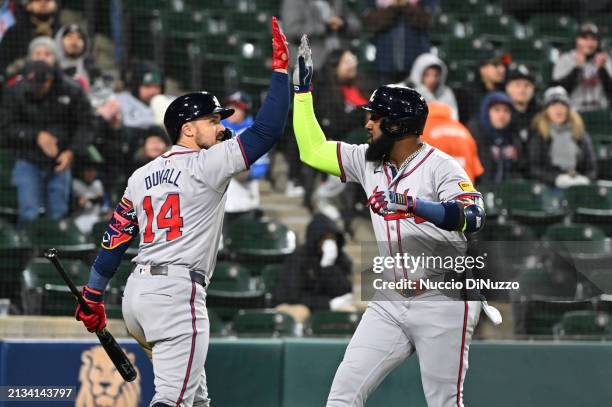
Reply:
x=394, y=326
x=179, y=199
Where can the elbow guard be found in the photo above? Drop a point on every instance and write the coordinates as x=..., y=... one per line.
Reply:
x=475, y=217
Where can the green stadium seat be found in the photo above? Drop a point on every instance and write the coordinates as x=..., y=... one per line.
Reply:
x=232, y=288
x=265, y=322
x=578, y=243
x=529, y=49
x=601, y=281
x=591, y=204
x=270, y=275
x=45, y=292
x=530, y=203
x=506, y=231
x=15, y=252
x=131, y=5
x=463, y=49
x=332, y=323
x=537, y=283
x=446, y=26
x=585, y=323
x=499, y=29
x=461, y=73
x=116, y=285
x=462, y=9
x=217, y=326
x=62, y=234
x=604, y=168
x=598, y=122
x=259, y=237
x=554, y=28
x=257, y=21
x=539, y=315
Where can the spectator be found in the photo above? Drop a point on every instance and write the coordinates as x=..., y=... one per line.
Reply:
x=402, y=33
x=489, y=78
x=88, y=192
x=330, y=25
x=317, y=272
x=155, y=143
x=144, y=82
x=449, y=135
x=586, y=71
x=560, y=150
x=74, y=47
x=112, y=139
x=47, y=119
x=520, y=86
x=428, y=77
x=498, y=141
x=243, y=189
x=36, y=18
x=340, y=93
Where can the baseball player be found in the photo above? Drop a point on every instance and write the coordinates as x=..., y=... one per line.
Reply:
x=421, y=201
x=175, y=204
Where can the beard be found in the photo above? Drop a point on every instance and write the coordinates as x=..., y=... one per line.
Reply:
x=379, y=148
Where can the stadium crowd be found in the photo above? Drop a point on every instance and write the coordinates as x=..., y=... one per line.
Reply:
x=77, y=130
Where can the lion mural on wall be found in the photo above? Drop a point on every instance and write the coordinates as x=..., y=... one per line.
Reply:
x=101, y=383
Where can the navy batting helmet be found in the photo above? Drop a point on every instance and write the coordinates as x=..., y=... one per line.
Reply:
x=190, y=107
x=403, y=109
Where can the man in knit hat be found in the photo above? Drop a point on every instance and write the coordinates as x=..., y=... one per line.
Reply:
x=47, y=119
x=74, y=58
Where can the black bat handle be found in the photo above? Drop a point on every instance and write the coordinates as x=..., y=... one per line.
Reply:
x=51, y=255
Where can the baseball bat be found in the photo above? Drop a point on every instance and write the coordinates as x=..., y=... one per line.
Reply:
x=108, y=342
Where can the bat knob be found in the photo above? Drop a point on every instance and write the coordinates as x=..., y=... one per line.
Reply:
x=49, y=253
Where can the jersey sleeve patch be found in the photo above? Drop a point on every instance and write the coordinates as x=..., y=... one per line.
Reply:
x=467, y=186
x=122, y=227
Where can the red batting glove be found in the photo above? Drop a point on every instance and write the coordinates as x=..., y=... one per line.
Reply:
x=96, y=321
x=280, y=50
x=377, y=202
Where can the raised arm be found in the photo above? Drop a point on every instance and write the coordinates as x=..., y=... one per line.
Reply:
x=315, y=150
x=272, y=117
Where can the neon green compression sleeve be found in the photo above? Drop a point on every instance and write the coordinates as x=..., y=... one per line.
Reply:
x=315, y=150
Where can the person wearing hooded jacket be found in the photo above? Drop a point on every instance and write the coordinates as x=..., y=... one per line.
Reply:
x=497, y=138
x=317, y=272
x=428, y=77
x=74, y=57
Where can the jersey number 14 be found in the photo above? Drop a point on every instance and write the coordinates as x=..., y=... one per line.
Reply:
x=169, y=217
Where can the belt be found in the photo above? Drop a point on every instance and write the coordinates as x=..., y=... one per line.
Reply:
x=196, y=277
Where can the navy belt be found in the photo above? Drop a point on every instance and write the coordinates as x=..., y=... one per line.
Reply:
x=195, y=276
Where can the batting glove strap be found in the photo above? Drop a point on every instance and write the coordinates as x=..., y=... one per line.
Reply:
x=92, y=295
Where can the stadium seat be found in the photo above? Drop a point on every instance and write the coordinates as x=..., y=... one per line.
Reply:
x=62, y=234
x=598, y=122
x=116, y=285
x=257, y=21
x=530, y=203
x=506, y=231
x=591, y=204
x=45, y=292
x=446, y=26
x=259, y=238
x=217, y=326
x=461, y=73
x=331, y=323
x=529, y=49
x=8, y=193
x=15, y=252
x=270, y=275
x=585, y=323
x=540, y=316
x=575, y=249
x=498, y=29
x=600, y=283
x=463, y=49
x=462, y=9
x=233, y=288
x=263, y=322
x=604, y=169
x=552, y=27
